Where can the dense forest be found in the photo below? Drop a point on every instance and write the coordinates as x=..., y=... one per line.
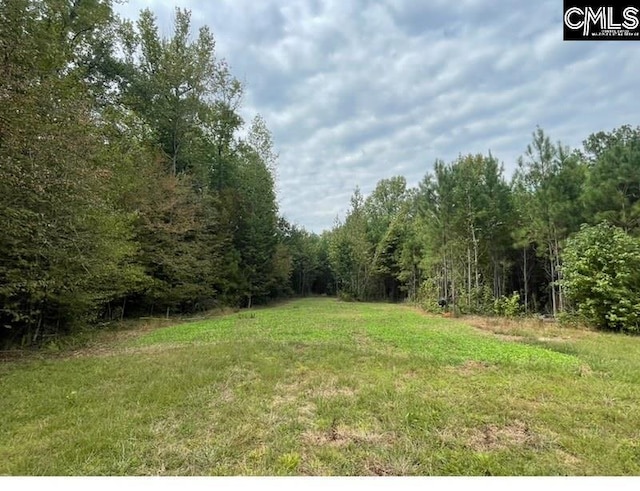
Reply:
x=130, y=185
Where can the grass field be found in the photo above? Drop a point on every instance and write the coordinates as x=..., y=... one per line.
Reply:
x=321, y=387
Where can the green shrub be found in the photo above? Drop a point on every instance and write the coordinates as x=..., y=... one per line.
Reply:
x=601, y=276
x=428, y=296
x=346, y=296
x=508, y=306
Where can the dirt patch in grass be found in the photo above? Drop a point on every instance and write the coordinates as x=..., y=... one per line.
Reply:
x=288, y=393
x=341, y=436
x=410, y=375
x=293, y=396
x=377, y=468
x=567, y=459
x=306, y=410
x=362, y=340
x=283, y=400
x=585, y=370
x=494, y=437
x=226, y=395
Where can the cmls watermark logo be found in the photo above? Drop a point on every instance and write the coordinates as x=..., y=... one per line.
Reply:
x=602, y=20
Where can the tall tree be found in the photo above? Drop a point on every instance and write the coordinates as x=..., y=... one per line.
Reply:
x=350, y=252
x=256, y=235
x=549, y=180
x=383, y=210
x=612, y=190
x=166, y=81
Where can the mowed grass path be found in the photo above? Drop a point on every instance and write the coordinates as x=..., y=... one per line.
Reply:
x=321, y=387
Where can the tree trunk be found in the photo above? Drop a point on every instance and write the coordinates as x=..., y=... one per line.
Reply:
x=468, y=277
x=552, y=282
x=525, y=274
x=558, y=270
x=453, y=288
x=475, y=256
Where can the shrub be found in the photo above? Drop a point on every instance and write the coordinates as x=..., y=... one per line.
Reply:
x=346, y=296
x=601, y=276
x=508, y=306
x=428, y=296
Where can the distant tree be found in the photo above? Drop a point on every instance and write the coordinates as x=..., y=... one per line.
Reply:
x=256, y=216
x=548, y=184
x=350, y=252
x=465, y=211
x=384, y=210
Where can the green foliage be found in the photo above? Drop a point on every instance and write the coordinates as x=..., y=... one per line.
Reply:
x=350, y=252
x=612, y=191
x=67, y=249
x=602, y=276
x=125, y=182
x=463, y=215
x=346, y=296
x=428, y=296
x=255, y=236
x=508, y=306
x=548, y=187
x=310, y=267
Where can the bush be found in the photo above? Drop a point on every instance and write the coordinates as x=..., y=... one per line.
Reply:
x=601, y=276
x=346, y=296
x=428, y=296
x=482, y=300
x=507, y=306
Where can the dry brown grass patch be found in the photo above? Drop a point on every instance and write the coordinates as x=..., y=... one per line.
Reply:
x=361, y=339
x=567, y=459
x=585, y=370
x=518, y=329
x=471, y=367
x=334, y=391
x=287, y=393
x=341, y=436
x=494, y=437
x=377, y=468
x=294, y=396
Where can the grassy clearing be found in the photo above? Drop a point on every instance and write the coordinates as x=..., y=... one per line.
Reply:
x=320, y=387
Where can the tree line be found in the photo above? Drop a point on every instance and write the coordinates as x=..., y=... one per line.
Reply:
x=560, y=237
x=126, y=187
x=130, y=185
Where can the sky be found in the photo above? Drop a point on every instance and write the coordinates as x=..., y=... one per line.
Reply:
x=355, y=91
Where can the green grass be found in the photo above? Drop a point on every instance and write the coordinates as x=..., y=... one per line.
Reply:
x=321, y=387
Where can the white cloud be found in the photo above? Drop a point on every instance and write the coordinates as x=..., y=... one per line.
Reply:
x=358, y=91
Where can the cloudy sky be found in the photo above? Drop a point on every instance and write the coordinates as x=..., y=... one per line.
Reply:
x=355, y=91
